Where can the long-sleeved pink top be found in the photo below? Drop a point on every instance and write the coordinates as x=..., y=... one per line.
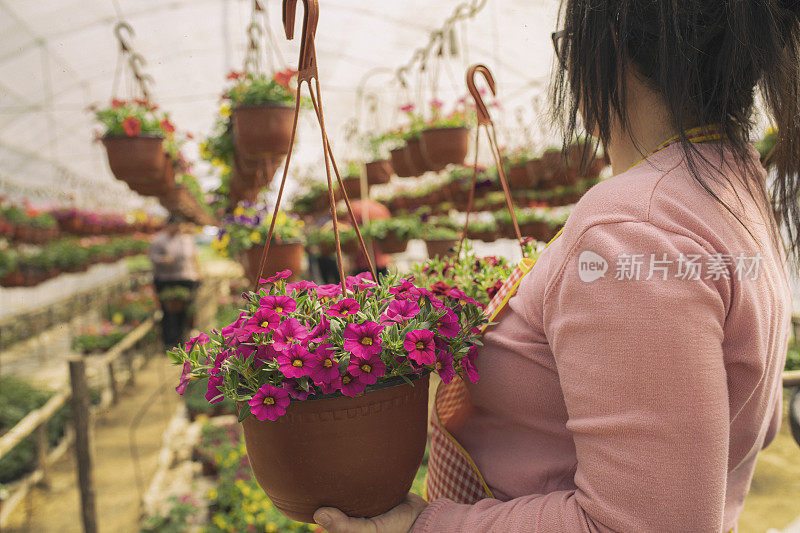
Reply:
x=634, y=398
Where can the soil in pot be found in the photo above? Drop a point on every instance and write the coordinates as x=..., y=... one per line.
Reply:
x=444, y=146
x=379, y=172
x=135, y=159
x=281, y=256
x=402, y=165
x=262, y=130
x=358, y=454
x=441, y=247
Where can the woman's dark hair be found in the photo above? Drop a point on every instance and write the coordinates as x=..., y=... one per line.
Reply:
x=706, y=58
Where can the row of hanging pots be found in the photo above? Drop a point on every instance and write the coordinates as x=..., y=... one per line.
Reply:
x=431, y=152
x=552, y=170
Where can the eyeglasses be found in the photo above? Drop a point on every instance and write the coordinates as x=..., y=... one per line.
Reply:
x=558, y=44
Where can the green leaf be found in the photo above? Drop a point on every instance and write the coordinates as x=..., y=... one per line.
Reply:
x=244, y=412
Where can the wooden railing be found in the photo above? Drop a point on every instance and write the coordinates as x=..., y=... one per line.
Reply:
x=35, y=423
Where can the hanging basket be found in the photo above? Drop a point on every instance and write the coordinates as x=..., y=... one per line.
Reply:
x=441, y=247
x=261, y=130
x=352, y=186
x=444, y=146
x=158, y=187
x=417, y=160
x=135, y=159
x=332, y=452
x=518, y=177
x=402, y=165
x=392, y=245
x=281, y=256
x=378, y=172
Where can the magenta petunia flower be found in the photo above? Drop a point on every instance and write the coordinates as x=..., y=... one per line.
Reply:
x=289, y=333
x=295, y=361
x=366, y=370
x=263, y=354
x=279, y=304
x=295, y=391
x=352, y=386
x=263, y=321
x=330, y=387
x=323, y=367
x=363, y=340
x=343, y=308
x=269, y=403
x=448, y=325
x=405, y=290
x=283, y=274
x=213, y=394
x=420, y=346
x=359, y=281
x=236, y=324
x=468, y=364
x=444, y=361
x=435, y=301
x=329, y=291
x=299, y=286
x=185, y=378
x=200, y=339
x=400, y=310
x=320, y=332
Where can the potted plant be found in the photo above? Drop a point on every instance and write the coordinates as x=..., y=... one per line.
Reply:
x=440, y=241
x=392, y=234
x=263, y=112
x=332, y=386
x=485, y=231
x=401, y=163
x=445, y=138
x=175, y=298
x=351, y=179
x=134, y=133
x=515, y=163
x=10, y=274
x=379, y=169
x=244, y=233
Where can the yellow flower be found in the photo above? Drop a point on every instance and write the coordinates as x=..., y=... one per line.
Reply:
x=211, y=494
x=225, y=109
x=224, y=168
x=301, y=223
x=239, y=211
x=770, y=130
x=220, y=522
x=250, y=519
x=255, y=237
x=118, y=318
x=217, y=162
x=204, y=153
x=271, y=527
x=202, y=418
x=224, y=253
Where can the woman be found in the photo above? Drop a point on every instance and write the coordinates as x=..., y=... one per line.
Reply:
x=617, y=397
x=174, y=256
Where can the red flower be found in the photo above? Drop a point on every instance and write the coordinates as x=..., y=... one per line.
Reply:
x=284, y=77
x=117, y=103
x=167, y=126
x=491, y=291
x=233, y=75
x=440, y=288
x=132, y=126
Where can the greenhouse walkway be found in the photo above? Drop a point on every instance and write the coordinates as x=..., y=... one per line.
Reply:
x=118, y=494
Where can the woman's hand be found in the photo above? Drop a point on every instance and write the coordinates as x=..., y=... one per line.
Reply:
x=397, y=520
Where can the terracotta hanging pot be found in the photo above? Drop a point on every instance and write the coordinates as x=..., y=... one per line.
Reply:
x=378, y=172
x=358, y=454
x=352, y=186
x=157, y=187
x=535, y=170
x=441, y=247
x=260, y=130
x=135, y=159
x=281, y=256
x=417, y=160
x=518, y=177
x=392, y=245
x=240, y=190
x=444, y=146
x=401, y=164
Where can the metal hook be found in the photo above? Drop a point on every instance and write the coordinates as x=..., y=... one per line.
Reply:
x=401, y=76
x=124, y=40
x=480, y=107
x=307, y=65
x=255, y=32
x=137, y=61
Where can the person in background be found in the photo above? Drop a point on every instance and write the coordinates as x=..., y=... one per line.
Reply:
x=174, y=257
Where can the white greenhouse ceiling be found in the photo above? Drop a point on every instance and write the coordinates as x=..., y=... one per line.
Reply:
x=59, y=57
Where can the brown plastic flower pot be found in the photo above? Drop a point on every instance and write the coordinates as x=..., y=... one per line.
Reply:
x=281, y=256
x=485, y=235
x=156, y=187
x=358, y=454
x=378, y=172
x=392, y=245
x=444, y=146
x=518, y=177
x=535, y=169
x=417, y=160
x=135, y=159
x=441, y=247
x=401, y=164
x=261, y=130
x=352, y=186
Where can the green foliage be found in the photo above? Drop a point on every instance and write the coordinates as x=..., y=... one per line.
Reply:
x=175, y=521
x=255, y=89
x=196, y=403
x=151, y=121
x=98, y=342
x=793, y=357
x=403, y=228
x=436, y=233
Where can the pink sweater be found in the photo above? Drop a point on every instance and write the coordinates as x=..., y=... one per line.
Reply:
x=624, y=404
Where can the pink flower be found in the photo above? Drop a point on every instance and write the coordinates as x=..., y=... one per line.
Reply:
x=420, y=346
x=352, y=386
x=213, y=394
x=408, y=108
x=263, y=354
x=367, y=370
x=228, y=330
x=300, y=286
x=400, y=310
x=294, y=362
x=435, y=301
x=200, y=339
x=289, y=333
x=279, y=304
x=185, y=378
x=269, y=403
x=468, y=364
x=359, y=281
x=295, y=391
x=444, y=361
x=436, y=104
x=343, y=308
x=458, y=294
x=263, y=321
x=323, y=367
x=330, y=387
x=320, y=332
x=329, y=291
x=283, y=274
x=363, y=340
x=448, y=324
